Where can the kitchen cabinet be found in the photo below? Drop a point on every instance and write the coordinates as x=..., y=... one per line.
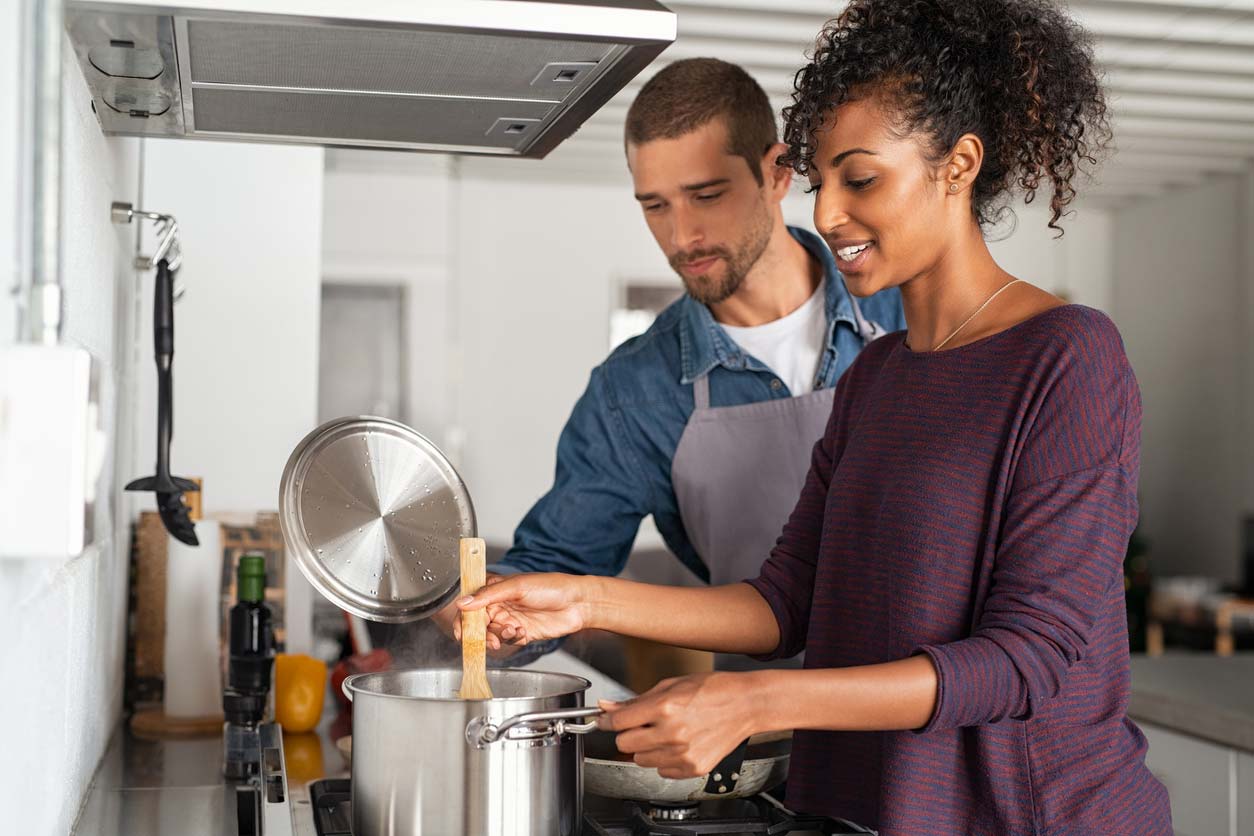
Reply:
x=1196, y=712
x=1199, y=777
x=1245, y=794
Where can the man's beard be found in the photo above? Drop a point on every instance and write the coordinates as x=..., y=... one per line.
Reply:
x=709, y=289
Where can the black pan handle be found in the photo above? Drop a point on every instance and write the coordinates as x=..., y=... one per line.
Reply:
x=724, y=777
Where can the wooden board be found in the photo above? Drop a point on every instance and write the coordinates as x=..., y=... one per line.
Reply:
x=153, y=724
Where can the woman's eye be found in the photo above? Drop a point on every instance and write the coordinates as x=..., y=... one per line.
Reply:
x=860, y=184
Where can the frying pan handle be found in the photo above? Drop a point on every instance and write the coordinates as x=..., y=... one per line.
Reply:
x=482, y=732
x=723, y=777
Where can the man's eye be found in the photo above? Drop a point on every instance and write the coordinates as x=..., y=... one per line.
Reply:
x=709, y=196
x=860, y=184
x=652, y=207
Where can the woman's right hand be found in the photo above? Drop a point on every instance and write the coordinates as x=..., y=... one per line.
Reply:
x=531, y=607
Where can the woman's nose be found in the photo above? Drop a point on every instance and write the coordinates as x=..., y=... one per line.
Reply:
x=830, y=213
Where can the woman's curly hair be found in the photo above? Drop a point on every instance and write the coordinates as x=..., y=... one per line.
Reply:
x=1019, y=74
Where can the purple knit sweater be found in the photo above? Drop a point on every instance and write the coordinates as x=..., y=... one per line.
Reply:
x=975, y=505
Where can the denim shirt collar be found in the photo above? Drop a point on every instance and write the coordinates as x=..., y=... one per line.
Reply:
x=703, y=344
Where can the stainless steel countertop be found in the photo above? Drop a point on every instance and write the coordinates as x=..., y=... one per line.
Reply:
x=146, y=788
x=167, y=787
x=176, y=788
x=1203, y=695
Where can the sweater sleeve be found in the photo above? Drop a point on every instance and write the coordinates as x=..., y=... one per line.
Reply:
x=1063, y=537
x=1060, y=560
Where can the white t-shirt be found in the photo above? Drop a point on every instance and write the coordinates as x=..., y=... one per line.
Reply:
x=791, y=346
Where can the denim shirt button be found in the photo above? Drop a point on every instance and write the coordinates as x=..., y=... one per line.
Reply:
x=776, y=384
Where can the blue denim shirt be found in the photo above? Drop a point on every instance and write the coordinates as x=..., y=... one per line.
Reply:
x=614, y=455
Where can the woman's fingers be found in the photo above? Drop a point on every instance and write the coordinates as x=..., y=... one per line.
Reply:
x=663, y=758
x=679, y=772
x=644, y=710
x=497, y=592
x=508, y=632
x=647, y=738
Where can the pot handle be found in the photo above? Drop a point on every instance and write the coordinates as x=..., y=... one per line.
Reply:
x=482, y=732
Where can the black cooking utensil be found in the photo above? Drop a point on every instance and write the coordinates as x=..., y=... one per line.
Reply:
x=169, y=489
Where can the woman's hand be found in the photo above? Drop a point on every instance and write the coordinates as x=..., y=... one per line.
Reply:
x=683, y=727
x=529, y=608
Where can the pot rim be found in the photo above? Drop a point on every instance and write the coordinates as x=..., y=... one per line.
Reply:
x=578, y=685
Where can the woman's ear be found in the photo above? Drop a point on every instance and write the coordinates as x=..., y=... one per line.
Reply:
x=963, y=164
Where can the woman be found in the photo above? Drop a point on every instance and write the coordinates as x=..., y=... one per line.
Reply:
x=961, y=604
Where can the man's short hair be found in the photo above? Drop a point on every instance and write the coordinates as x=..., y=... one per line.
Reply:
x=688, y=94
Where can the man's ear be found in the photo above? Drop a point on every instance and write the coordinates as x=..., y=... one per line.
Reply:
x=775, y=177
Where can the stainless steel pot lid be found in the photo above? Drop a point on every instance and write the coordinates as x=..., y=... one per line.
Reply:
x=373, y=513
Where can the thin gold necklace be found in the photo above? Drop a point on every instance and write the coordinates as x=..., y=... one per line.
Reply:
x=967, y=321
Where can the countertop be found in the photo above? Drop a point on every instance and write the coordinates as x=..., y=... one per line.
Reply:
x=157, y=788
x=176, y=786
x=1202, y=695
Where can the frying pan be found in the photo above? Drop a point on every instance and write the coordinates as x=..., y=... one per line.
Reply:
x=758, y=764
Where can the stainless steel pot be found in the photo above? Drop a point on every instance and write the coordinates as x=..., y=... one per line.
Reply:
x=426, y=763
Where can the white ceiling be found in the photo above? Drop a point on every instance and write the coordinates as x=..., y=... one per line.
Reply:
x=1180, y=75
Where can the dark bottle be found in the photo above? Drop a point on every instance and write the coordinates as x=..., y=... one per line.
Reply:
x=252, y=636
x=249, y=669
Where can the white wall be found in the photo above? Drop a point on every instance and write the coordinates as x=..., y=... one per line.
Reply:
x=1181, y=298
x=246, y=332
x=10, y=53
x=65, y=623
x=387, y=221
x=1246, y=303
x=538, y=251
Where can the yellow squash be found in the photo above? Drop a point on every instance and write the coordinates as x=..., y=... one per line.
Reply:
x=299, y=685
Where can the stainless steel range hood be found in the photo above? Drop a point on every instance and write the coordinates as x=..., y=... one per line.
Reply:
x=498, y=77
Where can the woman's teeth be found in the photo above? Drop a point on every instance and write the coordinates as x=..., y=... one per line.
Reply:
x=850, y=253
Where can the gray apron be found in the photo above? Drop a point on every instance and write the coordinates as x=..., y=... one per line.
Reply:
x=737, y=473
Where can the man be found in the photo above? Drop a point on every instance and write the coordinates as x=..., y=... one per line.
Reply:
x=707, y=420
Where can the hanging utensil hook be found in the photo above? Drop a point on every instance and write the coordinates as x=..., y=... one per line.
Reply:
x=167, y=233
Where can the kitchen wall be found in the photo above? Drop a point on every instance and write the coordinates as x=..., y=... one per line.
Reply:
x=520, y=263
x=246, y=362
x=64, y=623
x=388, y=221
x=10, y=104
x=1183, y=296
x=246, y=330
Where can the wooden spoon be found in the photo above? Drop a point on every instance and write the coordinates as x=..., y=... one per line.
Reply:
x=474, y=623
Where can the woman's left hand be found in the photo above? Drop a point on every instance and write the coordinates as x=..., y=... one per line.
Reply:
x=683, y=727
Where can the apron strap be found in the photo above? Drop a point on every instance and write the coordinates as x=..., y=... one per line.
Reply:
x=701, y=391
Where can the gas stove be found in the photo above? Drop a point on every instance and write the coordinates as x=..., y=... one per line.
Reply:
x=331, y=805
